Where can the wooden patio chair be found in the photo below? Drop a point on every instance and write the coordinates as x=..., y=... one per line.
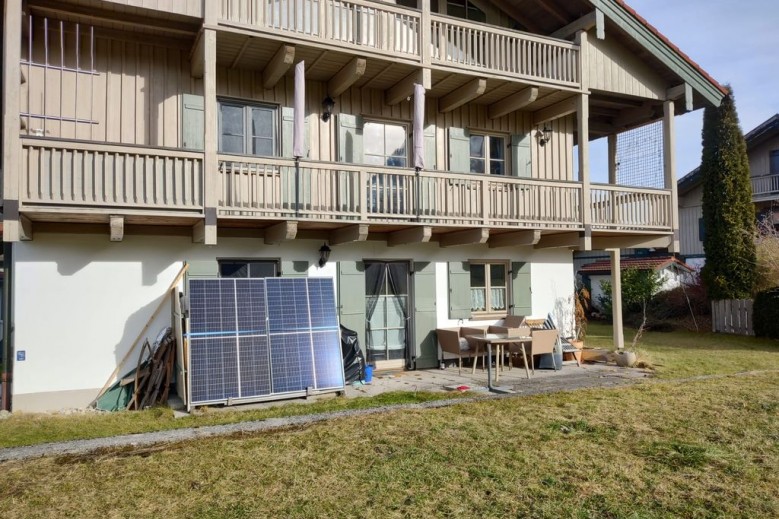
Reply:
x=453, y=341
x=541, y=342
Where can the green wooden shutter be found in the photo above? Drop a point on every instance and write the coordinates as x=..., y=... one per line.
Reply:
x=203, y=269
x=459, y=150
x=459, y=290
x=350, y=147
x=351, y=298
x=425, y=319
x=192, y=122
x=521, y=295
x=294, y=269
x=431, y=152
x=288, y=130
x=521, y=157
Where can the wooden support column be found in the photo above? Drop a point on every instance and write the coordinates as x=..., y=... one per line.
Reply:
x=12, y=145
x=212, y=180
x=669, y=168
x=616, y=298
x=582, y=120
x=424, y=34
x=612, y=158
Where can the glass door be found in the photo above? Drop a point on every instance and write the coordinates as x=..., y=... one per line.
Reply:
x=386, y=313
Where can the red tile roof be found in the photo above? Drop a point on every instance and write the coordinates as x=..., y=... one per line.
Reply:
x=642, y=263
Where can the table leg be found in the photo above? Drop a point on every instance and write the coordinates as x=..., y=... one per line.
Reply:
x=524, y=357
x=476, y=358
x=498, y=348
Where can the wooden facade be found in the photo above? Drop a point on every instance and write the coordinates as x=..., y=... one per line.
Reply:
x=118, y=114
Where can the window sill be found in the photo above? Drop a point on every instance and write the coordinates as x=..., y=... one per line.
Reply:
x=488, y=317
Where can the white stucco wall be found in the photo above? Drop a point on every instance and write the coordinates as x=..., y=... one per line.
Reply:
x=80, y=300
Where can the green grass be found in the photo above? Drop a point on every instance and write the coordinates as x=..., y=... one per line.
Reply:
x=705, y=448
x=682, y=354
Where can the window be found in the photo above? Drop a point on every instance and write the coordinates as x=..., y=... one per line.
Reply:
x=488, y=154
x=385, y=144
x=774, y=166
x=465, y=9
x=248, y=268
x=489, y=288
x=248, y=129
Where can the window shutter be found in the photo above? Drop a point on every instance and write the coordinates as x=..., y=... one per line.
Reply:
x=294, y=269
x=431, y=152
x=459, y=290
x=192, y=122
x=351, y=298
x=288, y=130
x=203, y=269
x=521, y=158
x=459, y=151
x=350, y=148
x=425, y=316
x=521, y=295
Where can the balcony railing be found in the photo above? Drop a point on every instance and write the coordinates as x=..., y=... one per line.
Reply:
x=630, y=208
x=73, y=173
x=353, y=24
x=765, y=186
x=469, y=45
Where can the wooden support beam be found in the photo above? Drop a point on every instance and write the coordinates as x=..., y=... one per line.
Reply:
x=199, y=232
x=669, y=169
x=512, y=103
x=683, y=90
x=512, y=239
x=467, y=237
x=467, y=92
x=25, y=228
x=616, y=299
x=601, y=128
x=420, y=234
x=346, y=77
x=562, y=240
x=116, y=225
x=278, y=66
x=349, y=234
x=585, y=23
x=555, y=111
x=240, y=52
x=634, y=116
x=404, y=88
x=281, y=232
x=641, y=241
x=552, y=9
x=212, y=183
x=197, y=57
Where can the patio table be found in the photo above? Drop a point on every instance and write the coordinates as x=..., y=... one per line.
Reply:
x=499, y=340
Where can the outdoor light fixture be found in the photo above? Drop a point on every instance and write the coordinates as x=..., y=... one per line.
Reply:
x=324, y=255
x=327, y=108
x=544, y=135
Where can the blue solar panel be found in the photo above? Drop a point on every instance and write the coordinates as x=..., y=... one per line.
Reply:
x=250, y=338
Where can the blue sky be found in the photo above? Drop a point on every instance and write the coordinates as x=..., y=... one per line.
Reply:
x=737, y=42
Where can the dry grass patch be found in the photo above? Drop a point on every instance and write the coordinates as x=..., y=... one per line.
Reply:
x=703, y=449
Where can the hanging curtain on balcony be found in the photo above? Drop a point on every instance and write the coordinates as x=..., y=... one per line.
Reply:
x=419, y=122
x=298, y=136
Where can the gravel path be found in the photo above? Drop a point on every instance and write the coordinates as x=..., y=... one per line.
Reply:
x=194, y=433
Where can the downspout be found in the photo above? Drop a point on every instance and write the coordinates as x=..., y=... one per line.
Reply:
x=8, y=346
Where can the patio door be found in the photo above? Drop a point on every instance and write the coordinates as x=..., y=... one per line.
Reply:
x=387, y=314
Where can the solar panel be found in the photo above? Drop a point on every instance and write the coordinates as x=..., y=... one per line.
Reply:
x=254, y=338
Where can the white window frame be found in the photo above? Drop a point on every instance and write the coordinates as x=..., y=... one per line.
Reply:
x=487, y=148
x=248, y=261
x=247, y=107
x=406, y=128
x=488, y=312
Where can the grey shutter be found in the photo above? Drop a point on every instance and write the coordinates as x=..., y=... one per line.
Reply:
x=431, y=152
x=425, y=315
x=288, y=130
x=521, y=296
x=521, y=157
x=459, y=290
x=294, y=269
x=350, y=147
x=192, y=122
x=203, y=269
x=351, y=297
x=459, y=150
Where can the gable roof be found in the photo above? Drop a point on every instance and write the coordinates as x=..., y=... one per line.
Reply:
x=655, y=263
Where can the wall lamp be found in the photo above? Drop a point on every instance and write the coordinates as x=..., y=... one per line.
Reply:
x=327, y=108
x=544, y=135
x=324, y=255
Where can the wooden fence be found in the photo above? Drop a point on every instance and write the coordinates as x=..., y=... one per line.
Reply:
x=732, y=316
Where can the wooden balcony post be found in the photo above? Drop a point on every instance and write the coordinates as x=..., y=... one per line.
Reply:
x=616, y=298
x=583, y=127
x=12, y=146
x=669, y=167
x=612, y=146
x=425, y=32
x=211, y=178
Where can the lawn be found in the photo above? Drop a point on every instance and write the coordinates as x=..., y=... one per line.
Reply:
x=704, y=448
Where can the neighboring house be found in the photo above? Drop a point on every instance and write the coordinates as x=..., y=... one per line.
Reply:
x=763, y=152
x=670, y=271
x=142, y=135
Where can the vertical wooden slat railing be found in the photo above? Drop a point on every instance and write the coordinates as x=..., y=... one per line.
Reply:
x=630, y=208
x=732, y=316
x=68, y=173
x=765, y=185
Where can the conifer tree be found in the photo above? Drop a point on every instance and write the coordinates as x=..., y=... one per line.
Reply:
x=728, y=212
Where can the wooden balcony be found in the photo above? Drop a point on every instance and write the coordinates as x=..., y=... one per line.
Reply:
x=265, y=188
x=85, y=175
x=765, y=187
x=391, y=32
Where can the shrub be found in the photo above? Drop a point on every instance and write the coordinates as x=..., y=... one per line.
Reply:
x=766, y=313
